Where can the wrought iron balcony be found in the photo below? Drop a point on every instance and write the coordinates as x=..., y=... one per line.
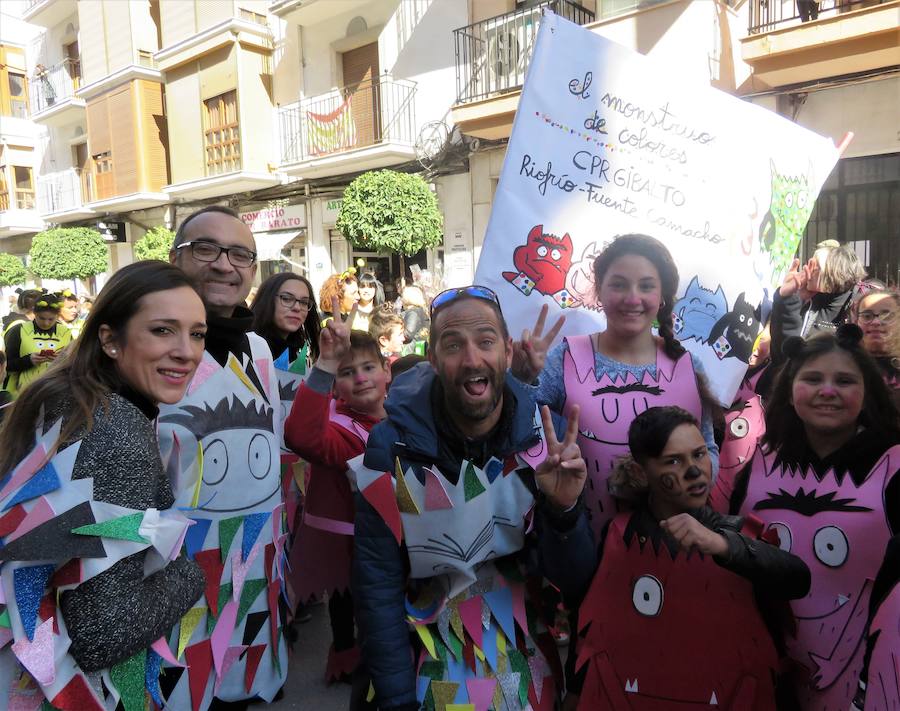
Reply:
x=378, y=111
x=768, y=15
x=54, y=85
x=492, y=55
x=63, y=191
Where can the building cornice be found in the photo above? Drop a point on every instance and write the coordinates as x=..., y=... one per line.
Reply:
x=227, y=31
x=123, y=76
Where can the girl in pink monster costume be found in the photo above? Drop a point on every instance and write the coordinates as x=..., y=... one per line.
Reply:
x=618, y=373
x=824, y=479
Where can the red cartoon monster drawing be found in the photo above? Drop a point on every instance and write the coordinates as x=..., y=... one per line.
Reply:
x=654, y=622
x=838, y=526
x=543, y=262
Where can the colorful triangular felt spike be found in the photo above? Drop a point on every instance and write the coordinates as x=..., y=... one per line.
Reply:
x=380, y=494
x=36, y=655
x=253, y=524
x=493, y=469
x=254, y=654
x=196, y=534
x=435, y=495
x=129, y=679
x=282, y=362
x=123, y=528
x=472, y=485
x=481, y=692
x=444, y=693
x=53, y=539
x=227, y=529
x=299, y=365
x=254, y=623
x=405, y=501
x=199, y=661
x=29, y=584
x=189, y=623
x=204, y=371
x=151, y=677
x=232, y=654
x=76, y=695
x=44, y=481
x=211, y=564
x=262, y=367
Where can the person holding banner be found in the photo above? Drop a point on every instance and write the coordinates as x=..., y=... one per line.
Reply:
x=615, y=374
x=826, y=480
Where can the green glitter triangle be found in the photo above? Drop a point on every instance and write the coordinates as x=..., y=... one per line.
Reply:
x=4, y=618
x=456, y=647
x=471, y=483
x=251, y=590
x=429, y=699
x=433, y=670
x=227, y=529
x=518, y=663
x=128, y=678
x=299, y=364
x=224, y=597
x=124, y=528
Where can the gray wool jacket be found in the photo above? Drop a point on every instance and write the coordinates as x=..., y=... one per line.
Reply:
x=114, y=615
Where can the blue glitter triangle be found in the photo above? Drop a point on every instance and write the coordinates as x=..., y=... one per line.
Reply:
x=44, y=481
x=151, y=677
x=282, y=362
x=196, y=534
x=494, y=469
x=253, y=524
x=29, y=584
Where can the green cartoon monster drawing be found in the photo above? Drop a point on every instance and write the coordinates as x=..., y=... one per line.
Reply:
x=789, y=210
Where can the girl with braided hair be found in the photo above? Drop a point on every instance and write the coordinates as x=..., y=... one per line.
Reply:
x=616, y=374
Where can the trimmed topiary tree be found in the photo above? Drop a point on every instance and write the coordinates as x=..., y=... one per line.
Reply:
x=68, y=253
x=12, y=270
x=155, y=244
x=387, y=211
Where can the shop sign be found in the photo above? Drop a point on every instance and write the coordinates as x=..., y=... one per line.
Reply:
x=289, y=217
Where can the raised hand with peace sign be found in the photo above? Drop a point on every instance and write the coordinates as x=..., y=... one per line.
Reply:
x=334, y=339
x=530, y=352
x=561, y=476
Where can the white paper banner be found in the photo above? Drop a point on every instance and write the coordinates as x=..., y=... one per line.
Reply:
x=606, y=142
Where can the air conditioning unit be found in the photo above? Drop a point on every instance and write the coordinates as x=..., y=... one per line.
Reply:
x=508, y=47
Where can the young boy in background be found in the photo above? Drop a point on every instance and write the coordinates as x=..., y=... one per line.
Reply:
x=386, y=327
x=333, y=412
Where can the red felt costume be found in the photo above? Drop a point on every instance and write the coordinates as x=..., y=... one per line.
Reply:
x=327, y=437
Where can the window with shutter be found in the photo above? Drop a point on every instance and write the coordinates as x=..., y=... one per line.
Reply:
x=222, y=138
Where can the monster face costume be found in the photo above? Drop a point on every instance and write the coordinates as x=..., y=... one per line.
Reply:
x=226, y=433
x=607, y=409
x=837, y=524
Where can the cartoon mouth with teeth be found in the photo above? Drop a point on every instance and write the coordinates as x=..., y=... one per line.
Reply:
x=647, y=644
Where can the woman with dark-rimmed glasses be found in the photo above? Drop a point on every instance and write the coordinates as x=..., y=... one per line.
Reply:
x=285, y=314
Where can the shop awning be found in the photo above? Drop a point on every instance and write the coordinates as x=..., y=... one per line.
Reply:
x=270, y=244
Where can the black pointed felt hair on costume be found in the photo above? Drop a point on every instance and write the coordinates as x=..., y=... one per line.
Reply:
x=203, y=421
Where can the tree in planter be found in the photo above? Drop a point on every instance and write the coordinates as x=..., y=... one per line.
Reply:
x=68, y=253
x=155, y=244
x=12, y=270
x=387, y=211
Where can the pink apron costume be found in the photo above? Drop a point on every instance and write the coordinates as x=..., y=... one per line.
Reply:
x=466, y=599
x=745, y=424
x=651, y=646
x=608, y=407
x=226, y=432
x=840, y=531
x=324, y=548
x=883, y=685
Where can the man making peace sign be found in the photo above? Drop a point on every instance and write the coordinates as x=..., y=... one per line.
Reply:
x=444, y=540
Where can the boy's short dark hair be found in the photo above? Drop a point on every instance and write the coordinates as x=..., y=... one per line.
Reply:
x=650, y=431
x=362, y=341
x=407, y=362
x=382, y=321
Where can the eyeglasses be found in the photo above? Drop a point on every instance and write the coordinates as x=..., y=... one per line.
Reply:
x=209, y=252
x=289, y=300
x=450, y=295
x=883, y=316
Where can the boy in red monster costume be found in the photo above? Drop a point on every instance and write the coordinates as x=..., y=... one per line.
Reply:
x=670, y=620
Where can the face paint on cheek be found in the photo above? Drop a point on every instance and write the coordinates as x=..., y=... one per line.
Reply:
x=670, y=484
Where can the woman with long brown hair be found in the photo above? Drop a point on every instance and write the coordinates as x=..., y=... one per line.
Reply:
x=91, y=418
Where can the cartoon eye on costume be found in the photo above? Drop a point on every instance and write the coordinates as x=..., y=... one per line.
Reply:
x=555, y=254
x=785, y=540
x=739, y=427
x=749, y=321
x=801, y=200
x=634, y=406
x=603, y=410
x=742, y=318
x=789, y=200
x=215, y=462
x=831, y=546
x=647, y=596
x=542, y=251
x=259, y=456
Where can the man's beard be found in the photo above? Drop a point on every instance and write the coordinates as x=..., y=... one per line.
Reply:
x=475, y=412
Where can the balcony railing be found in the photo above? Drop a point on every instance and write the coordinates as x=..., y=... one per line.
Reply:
x=366, y=114
x=492, y=55
x=51, y=86
x=768, y=15
x=66, y=190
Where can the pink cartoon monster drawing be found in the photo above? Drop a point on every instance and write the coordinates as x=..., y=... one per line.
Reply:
x=580, y=279
x=838, y=526
x=745, y=424
x=883, y=685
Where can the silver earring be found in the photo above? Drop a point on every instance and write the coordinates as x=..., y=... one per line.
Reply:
x=113, y=351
